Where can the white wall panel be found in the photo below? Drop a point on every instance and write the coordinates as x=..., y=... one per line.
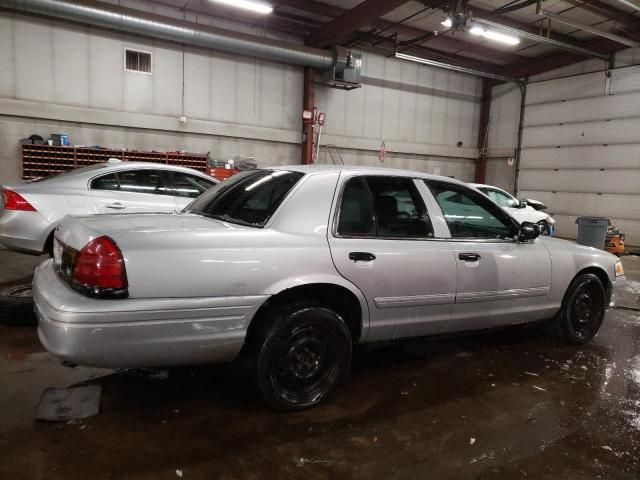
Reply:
x=588, y=133
x=6, y=57
x=33, y=54
x=106, y=75
x=588, y=85
x=503, y=121
x=625, y=80
x=586, y=157
x=585, y=181
x=70, y=66
x=197, y=80
x=500, y=173
x=579, y=204
x=584, y=110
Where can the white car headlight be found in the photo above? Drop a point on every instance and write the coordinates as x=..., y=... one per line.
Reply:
x=619, y=269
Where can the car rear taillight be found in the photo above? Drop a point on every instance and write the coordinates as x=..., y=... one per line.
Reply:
x=98, y=269
x=13, y=201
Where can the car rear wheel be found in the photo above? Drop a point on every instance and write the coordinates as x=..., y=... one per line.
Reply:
x=582, y=311
x=16, y=305
x=302, y=355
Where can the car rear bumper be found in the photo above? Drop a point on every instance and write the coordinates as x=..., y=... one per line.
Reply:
x=24, y=232
x=154, y=332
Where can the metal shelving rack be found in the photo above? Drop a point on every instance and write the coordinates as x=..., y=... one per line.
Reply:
x=45, y=160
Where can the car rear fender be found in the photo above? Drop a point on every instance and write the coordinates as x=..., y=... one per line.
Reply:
x=324, y=279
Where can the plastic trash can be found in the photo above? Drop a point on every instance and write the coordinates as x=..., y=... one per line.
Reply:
x=592, y=231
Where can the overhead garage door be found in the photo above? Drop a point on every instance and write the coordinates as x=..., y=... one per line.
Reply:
x=581, y=149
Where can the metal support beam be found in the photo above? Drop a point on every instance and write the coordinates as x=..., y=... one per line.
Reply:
x=629, y=4
x=523, y=104
x=541, y=39
x=363, y=14
x=448, y=43
x=588, y=28
x=308, y=103
x=483, y=131
x=456, y=68
x=624, y=22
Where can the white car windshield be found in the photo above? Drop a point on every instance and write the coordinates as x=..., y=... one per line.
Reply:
x=500, y=198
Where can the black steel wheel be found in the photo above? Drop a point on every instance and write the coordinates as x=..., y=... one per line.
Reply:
x=303, y=355
x=583, y=309
x=16, y=305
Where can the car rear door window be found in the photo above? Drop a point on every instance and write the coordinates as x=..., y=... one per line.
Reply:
x=383, y=206
x=470, y=214
x=190, y=186
x=356, y=211
x=105, y=182
x=149, y=181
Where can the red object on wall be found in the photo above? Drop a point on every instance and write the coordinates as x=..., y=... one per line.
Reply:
x=222, y=173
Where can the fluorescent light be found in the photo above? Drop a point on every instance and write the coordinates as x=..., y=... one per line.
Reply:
x=447, y=22
x=493, y=35
x=501, y=37
x=257, y=7
x=456, y=68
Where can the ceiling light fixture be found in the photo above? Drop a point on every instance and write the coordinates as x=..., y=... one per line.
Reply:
x=257, y=7
x=456, y=68
x=493, y=35
x=447, y=22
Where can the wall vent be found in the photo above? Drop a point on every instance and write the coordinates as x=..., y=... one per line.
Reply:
x=137, y=61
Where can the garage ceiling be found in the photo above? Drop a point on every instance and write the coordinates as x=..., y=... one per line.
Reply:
x=414, y=27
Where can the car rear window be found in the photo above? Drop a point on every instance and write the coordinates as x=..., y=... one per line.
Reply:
x=248, y=198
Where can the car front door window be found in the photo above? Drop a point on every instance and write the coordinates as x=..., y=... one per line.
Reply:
x=470, y=214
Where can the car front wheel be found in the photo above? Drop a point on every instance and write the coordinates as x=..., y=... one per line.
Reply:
x=303, y=354
x=582, y=311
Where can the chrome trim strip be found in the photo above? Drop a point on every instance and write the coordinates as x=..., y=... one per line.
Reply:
x=414, y=300
x=485, y=296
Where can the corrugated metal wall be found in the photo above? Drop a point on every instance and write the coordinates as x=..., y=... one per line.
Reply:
x=421, y=113
x=503, y=135
x=581, y=148
x=581, y=143
x=61, y=78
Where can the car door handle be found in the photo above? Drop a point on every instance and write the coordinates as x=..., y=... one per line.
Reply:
x=115, y=206
x=361, y=256
x=469, y=257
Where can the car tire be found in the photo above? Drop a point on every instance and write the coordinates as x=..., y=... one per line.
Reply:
x=16, y=305
x=302, y=353
x=582, y=311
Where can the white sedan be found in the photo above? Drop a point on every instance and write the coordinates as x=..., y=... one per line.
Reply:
x=30, y=211
x=519, y=210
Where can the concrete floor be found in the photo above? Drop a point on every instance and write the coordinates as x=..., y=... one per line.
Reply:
x=508, y=404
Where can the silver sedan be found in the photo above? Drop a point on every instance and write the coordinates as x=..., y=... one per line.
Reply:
x=291, y=267
x=30, y=211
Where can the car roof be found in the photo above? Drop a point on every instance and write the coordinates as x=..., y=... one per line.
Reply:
x=365, y=170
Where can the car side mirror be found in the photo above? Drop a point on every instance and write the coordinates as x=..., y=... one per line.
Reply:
x=522, y=203
x=528, y=231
